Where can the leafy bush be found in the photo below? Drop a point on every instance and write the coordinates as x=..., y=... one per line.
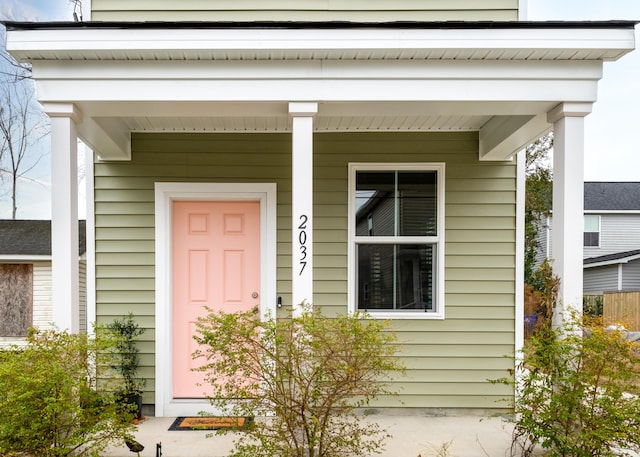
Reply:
x=577, y=396
x=48, y=402
x=308, y=373
x=593, y=305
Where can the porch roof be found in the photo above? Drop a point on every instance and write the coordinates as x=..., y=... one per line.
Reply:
x=497, y=78
x=612, y=259
x=468, y=40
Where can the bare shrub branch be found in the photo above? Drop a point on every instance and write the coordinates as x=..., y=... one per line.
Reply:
x=308, y=374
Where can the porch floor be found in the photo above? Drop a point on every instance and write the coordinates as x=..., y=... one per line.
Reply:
x=470, y=436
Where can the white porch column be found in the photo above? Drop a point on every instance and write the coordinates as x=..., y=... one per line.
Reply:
x=64, y=215
x=302, y=204
x=568, y=203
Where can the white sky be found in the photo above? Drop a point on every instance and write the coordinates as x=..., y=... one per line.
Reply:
x=612, y=152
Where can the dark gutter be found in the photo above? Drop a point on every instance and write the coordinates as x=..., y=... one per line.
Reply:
x=329, y=25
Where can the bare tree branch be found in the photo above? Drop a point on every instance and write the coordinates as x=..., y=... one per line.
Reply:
x=77, y=10
x=22, y=126
x=10, y=69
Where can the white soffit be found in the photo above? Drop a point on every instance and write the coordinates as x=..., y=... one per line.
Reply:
x=516, y=43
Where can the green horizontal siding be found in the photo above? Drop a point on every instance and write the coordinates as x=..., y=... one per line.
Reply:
x=465, y=349
x=479, y=262
x=304, y=10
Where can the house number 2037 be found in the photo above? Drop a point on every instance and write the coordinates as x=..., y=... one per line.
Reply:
x=302, y=239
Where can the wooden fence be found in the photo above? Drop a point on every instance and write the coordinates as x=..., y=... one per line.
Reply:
x=622, y=307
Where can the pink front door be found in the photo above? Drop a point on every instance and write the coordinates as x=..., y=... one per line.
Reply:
x=216, y=264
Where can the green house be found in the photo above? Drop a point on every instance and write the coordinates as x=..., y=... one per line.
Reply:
x=352, y=155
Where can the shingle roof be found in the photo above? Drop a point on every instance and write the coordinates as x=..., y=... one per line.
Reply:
x=31, y=237
x=612, y=196
x=611, y=258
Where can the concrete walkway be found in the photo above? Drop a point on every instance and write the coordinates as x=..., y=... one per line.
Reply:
x=413, y=435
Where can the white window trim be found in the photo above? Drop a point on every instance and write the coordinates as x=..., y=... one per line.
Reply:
x=439, y=312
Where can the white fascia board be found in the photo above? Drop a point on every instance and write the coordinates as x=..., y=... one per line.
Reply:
x=22, y=258
x=623, y=260
x=93, y=42
x=612, y=211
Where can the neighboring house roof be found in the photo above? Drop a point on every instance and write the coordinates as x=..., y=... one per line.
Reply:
x=32, y=237
x=611, y=259
x=612, y=196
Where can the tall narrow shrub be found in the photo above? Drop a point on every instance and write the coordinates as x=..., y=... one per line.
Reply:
x=126, y=354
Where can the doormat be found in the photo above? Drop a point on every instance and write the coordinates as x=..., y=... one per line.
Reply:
x=210, y=423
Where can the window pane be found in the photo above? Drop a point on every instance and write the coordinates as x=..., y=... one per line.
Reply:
x=375, y=207
x=392, y=203
x=375, y=276
x=395, y=277
x=591, y=223
x=417, y=203
x=592, y=239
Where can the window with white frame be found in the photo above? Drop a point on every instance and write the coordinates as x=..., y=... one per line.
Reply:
x=591, y=230
x=396, y=227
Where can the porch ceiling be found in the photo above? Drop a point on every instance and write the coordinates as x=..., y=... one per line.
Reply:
x=107, y=126
x=324, y=123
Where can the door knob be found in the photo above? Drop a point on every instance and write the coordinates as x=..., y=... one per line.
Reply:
x=254, y=295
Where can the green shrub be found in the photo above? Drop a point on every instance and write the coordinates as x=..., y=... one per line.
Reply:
x=593, y=305
x=126, y=355
x=48, y=402
x=577, y=395
x=308, y=373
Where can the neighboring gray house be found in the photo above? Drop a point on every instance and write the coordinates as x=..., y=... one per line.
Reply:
x=25, y=278
x=612, y=272
x=611, y=236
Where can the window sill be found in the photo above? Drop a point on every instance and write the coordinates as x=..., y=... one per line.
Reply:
x=417, y=315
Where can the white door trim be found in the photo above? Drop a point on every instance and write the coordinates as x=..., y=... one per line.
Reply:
x=165, y=194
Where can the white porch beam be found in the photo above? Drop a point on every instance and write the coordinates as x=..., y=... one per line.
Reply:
x=113, y=143
x=65, y=295
x=504, y=136
x=302, y=115
x=568, y=204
